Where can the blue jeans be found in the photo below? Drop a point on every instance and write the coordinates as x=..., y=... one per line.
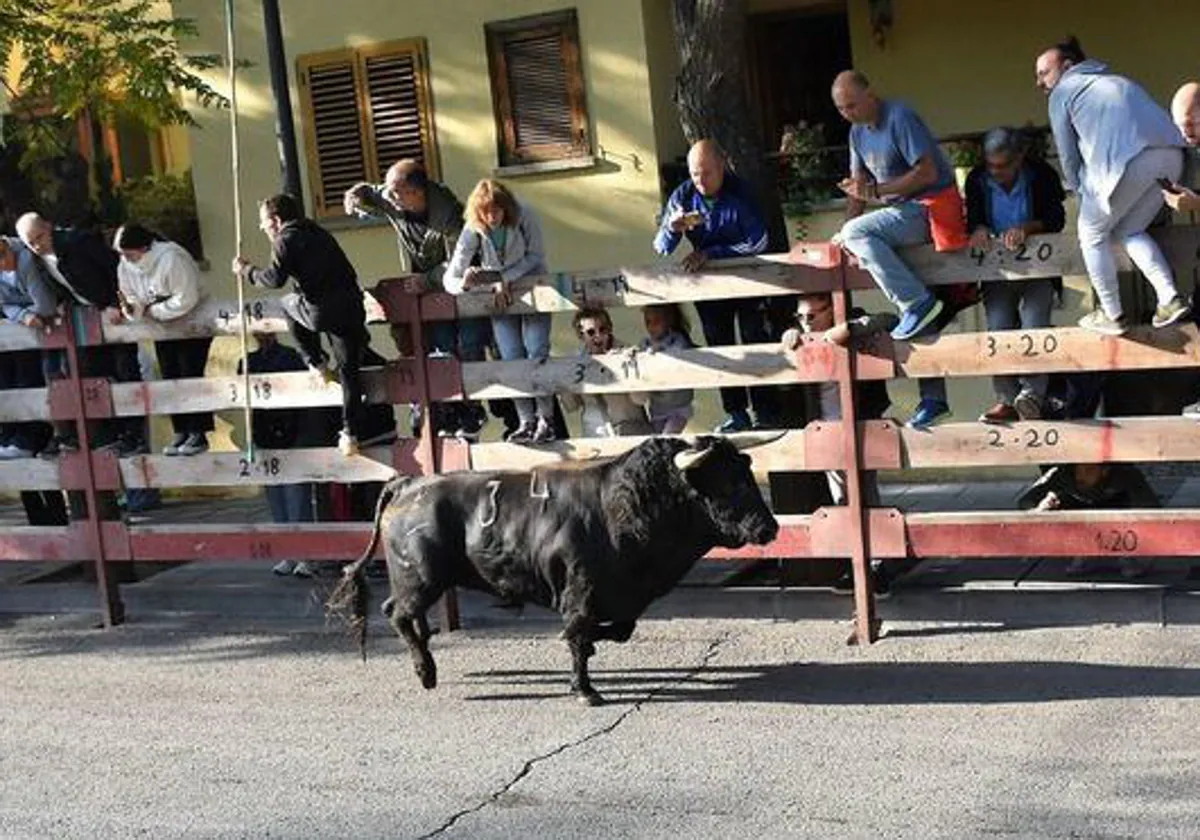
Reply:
x=1018, y=306
x=525, y=337
x=466, y=340
x=874, y=237
x=290, y=502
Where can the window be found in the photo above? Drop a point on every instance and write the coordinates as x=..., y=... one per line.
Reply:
x=363, y=109
x=537, y=88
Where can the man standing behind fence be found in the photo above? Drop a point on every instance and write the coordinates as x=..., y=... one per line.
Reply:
x=83, y=269
x=26, y=298
x=715, y=210
x=428, y=219
x=895, y=161
x=1115, y=146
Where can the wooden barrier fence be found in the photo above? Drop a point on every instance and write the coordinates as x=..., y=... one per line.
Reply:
x=852, y=531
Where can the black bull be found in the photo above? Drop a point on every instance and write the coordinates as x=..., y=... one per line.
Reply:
x=596, y=543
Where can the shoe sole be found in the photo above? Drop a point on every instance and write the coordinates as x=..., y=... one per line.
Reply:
x=1112, y=332
x=922, y=325
x=996, y=421
x=1174, y=319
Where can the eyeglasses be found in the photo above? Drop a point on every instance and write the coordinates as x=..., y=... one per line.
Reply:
x=592, y=332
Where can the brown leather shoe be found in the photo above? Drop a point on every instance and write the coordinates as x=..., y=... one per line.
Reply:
x=1000, y=414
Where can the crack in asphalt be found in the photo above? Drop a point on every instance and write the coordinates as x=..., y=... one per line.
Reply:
x=528, y=766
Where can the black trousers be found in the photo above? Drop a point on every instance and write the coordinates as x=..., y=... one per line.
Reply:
x=23, y=369
x=717, y=318
x=348, y=341
x=185, y=358
x=115, y=362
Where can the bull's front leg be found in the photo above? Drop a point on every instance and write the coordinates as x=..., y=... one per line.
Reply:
x=578, y=634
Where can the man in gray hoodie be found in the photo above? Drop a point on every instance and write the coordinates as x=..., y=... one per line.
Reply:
x=1115, y=145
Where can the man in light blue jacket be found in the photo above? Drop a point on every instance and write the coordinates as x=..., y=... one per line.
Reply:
x=26, y=298
x=1116, y=145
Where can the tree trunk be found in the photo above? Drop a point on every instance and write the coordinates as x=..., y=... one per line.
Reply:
x=711, y=94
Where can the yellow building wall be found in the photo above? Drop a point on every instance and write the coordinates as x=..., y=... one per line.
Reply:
x=967, y=66
x=662, y=64
x=592, y=218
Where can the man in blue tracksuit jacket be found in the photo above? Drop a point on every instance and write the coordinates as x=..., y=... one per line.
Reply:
x=715, y=210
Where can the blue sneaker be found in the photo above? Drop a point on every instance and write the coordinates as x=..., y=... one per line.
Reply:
x=918, y=318
x=736, y=421
x=928, y=413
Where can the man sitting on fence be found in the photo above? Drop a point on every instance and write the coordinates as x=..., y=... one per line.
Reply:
x=895, y=161
x=428, y=219
x=1009, y=197
x=717, y=214
x=329, y=300
x=1115, y=146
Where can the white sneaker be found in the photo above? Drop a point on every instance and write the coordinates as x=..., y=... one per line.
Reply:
x=303, y=570
x=12, y=452
x=284, y=567
x=347, y=444
x=195, y=444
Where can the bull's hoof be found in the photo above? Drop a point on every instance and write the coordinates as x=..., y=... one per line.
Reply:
x=591, y=697
x=427, y=674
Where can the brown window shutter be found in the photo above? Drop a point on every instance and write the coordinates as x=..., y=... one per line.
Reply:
x=538, y=91
x=333, y=128
x=398, y=108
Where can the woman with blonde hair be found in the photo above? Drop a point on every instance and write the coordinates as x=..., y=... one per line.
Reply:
x=502, y=242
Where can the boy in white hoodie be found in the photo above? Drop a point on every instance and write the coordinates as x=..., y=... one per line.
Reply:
x=160, y=281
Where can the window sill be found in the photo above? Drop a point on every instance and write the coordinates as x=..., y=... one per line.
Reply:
x=545, y=166
x=343, y=222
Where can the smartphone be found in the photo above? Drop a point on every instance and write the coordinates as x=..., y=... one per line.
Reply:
x=1167, y=185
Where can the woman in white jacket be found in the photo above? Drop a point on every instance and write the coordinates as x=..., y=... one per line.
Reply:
x=502, y=242
x=159, y=281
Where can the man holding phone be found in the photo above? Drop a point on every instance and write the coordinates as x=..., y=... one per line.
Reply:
x=717, y=213
x=1182, y=196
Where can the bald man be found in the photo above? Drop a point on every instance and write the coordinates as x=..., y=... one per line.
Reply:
x=83, y=270
x=1185, y=111
x=895, y=164
x=718, y=215
x=427, y=218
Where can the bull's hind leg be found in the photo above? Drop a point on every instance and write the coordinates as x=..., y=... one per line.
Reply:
x=418, y=645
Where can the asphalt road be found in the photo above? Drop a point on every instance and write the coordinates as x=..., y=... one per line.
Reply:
x=206, y=727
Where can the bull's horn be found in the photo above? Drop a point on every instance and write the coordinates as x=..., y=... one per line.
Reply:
x=749, y=440
x=691, y=458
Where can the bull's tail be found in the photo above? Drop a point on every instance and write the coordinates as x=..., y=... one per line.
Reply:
x=349, y=598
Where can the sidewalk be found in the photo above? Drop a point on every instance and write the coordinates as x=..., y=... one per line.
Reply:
x=1022, y=591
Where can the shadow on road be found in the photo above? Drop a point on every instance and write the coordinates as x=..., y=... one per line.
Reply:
x=858, y=684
